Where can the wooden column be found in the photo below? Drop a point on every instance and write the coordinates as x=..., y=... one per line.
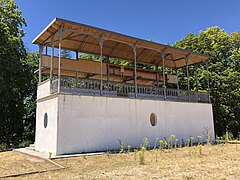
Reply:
x=59, y=58
x=196, y=77
x=208, y=83
x=108, y=72
x=135, y=69
x=188, y=87
x=177, y=81
x=163, y=73
x=101, y=73
x=52, y=57
x=40, y=64
x=76, y=55
x=76, y=79
x=157, y=76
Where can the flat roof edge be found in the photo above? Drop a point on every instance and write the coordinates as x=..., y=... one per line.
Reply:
x=45, y=29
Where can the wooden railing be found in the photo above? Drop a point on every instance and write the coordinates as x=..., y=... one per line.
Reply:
x=92, y=87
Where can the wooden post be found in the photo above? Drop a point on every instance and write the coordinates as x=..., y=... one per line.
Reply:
x=188, y=87
x=196, y=77
x=52, y=57
x=108, y=73
x=157, y=76
x=101, y=73
x=208, y=83
x=40, y=64
x=163, y=73
x=76, y=55
x=76, y=79
x=59, y=58
x=177, y=81
x=46, y=50
x=135, y=69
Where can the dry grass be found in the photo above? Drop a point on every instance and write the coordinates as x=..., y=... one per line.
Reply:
x=15, y=162
x=217, y=162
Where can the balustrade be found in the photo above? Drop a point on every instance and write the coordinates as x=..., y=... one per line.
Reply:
x=73, y=85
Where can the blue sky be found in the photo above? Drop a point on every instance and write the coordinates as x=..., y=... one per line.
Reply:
x=162, y=20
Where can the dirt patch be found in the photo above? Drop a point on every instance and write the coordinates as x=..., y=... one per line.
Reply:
x=216, y=162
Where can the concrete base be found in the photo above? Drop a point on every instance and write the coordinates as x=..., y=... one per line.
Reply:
x=70, y=123
x=45, y=155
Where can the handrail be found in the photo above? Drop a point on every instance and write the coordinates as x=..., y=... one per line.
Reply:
x=88, y=86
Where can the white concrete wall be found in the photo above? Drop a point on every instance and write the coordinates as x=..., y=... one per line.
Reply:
x=43, y=89
x=46, y=138
x=88, y=123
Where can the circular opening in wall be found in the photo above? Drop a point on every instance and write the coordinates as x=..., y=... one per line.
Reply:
x=45, y=122
x=153, y=119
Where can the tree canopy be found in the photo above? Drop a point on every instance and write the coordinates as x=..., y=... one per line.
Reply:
x=224, y=74
x=15, y=74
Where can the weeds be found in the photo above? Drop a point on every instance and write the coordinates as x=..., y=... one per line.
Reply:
x=199, y=140
x=141, y=155
x=108, y=153
x=135, y=154
x=3, y=147
x=122, y=145
x=191, y=141
x=129, y=148
x=155, y=144
x=145, y=142
x=207, y=134
x=161, y=144
x=49, y=155
x=142, y=151
x=200, y=149
x=170, y=141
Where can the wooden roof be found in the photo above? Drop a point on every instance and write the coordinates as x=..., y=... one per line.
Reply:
x=84, y=38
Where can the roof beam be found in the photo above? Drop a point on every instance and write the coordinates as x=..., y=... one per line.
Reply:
x=141, y=53
x=69, y=36
x=80, y=46
x=49, y=36
x=113, y=49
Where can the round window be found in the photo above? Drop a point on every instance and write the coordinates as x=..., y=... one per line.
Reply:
x=153, y=119
x=45, y=123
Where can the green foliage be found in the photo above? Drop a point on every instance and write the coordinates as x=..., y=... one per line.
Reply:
x=129, y=148
x=66, y=54
x=135, y=154
x=171, y=140
x=207, y=134
x=145, y=143
x=224, y=71
x=142, y=155
x=121, y=145
x=161, y=142
x=199, y=139
x=15, y=74
x=142, y=150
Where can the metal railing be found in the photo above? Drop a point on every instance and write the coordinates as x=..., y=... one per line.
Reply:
x=92, y=87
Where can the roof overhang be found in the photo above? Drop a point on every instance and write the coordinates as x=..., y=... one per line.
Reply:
x=84, y=38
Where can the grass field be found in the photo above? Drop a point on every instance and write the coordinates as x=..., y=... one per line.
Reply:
x=216, y=162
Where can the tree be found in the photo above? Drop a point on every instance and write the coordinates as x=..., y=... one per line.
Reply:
x=66, y=54
x=15, y=73
x=224, y=74
x=29, y=118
